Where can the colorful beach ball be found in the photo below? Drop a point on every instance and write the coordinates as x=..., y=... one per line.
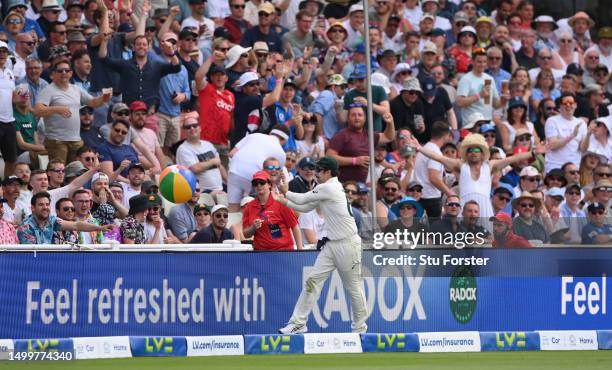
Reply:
x=177, y=184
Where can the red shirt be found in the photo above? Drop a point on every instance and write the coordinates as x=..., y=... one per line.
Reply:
x=462, y=59
x=216, y=110
x=513, y=241
x=276, y=217
x=350, y=143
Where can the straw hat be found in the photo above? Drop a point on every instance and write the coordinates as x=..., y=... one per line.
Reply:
x=581, y=15
x=526, y=195
x=476, y=140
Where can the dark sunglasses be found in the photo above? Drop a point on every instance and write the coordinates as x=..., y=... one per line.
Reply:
x=603, y=174
x=123, y=113
x=573, y=193
x=119, y=131
x=503, y=199
x=222, y=49
x=194, y=125
x=474, y=150
x=263, y=14
x=597, y=212
x=68, y=209
x=239, y=6
x=172, y=41
x=273, y=168
x=63, y=70
x=151, y=191
x=530, y=179
x=527, y=205
x=352, y=192
x=453, y=204
x=89, y=159
x=154, y=208
x=29, y=43
x=258, y=183
x=58, y=170
x=221, y=215
x=415, y=190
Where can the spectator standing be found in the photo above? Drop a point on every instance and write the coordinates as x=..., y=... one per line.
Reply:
x=358, y=95
x=235, y=22
x=174, y=90
x=138, y=113
x=407, y=109
x=328, y=108
x=26, y=125
x=248, y=157
x=59, y=105
x=198, y=22
x=270, y=222
x=263, y=31
x=140, y=77
x=24, y=47
x=201, y=157
x=429, y=172
x=349, y=147
x=476, y=92
x=564, y=132
x=115, y=156
x=8, y=145
x=216, y=105
x=217, y=232
x=305, y=180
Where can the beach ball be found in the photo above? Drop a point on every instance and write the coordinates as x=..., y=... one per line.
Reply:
x=177, y=184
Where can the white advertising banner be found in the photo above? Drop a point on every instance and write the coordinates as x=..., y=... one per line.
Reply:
x=461, y=341
x=332, y=343
x=101, y=347
x=226, y=345
x=568, y=340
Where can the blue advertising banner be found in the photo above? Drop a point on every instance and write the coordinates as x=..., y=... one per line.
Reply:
x=44, y=345
x=394, y=342
x=604, y=339
x=158, y=346
x=54, y=295
x=273, y=344
x=510, y=341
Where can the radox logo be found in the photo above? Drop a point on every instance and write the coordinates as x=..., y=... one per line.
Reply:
x=463, y=294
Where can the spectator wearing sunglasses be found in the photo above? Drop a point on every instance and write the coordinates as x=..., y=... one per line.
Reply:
x=235, y=23
x=188, y=217
x=64, y=208
x=564, y=132
x=525, y=224
x=83, y=202
x=502, y=198
x=597, y=231
x=24, y=47
x=156, y=227
x=217, y=232
x=263, y=31
x=573, y=216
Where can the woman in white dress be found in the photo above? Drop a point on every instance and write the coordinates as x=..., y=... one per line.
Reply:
x=475, y=169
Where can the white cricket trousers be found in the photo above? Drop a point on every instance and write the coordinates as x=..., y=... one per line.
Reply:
x=344, y=255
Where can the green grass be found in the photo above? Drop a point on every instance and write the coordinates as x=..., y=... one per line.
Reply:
x=553, y=360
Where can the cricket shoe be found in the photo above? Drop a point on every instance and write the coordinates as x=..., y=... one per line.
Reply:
x=292, y=328
x=362, y=329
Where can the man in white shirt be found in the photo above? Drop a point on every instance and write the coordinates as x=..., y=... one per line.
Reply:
x=545, y=62
x=564, y=132
x=428, y=172
x=136, y=175
x=354, y=26
x=203, y=26
x=201, y=157
x=248, y=157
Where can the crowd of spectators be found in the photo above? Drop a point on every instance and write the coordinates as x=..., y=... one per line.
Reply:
x=486, y=119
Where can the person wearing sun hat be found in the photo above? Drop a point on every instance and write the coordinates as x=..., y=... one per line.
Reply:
x=525, y=224
x=475, y=169
x=409, y=211
x=581, y=23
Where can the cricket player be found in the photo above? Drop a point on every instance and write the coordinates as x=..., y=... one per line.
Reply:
x=341, y=249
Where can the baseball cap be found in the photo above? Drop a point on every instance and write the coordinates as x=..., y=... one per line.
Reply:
x=529, y=171
x=502, y=217
x=573, y=186
x=503, y=189
x=387, y=54
x=120, y=107
x=233, y=55
x=595, y=206
x=427, y=16
x=215, y=68
x=359, y=72
x=147, y=185
x=99, y=176
x=11, y=180
x=355, y=8
x=247, y=77
x=437, y=32
x=138, y=105
x=307, y=162
x=574, y=69
x=429, y=47
x=246, y=200
x=554, y=192
x=414, y=184
x=4, y=45
x=169, y=36
x=200, y=207
x=136, y=165
x=487, y=127
x=461, y=16
x=362, y=188
x=470, y=29
x=218, y=207
x=154, y=200
x=186, y=32
x=139, y=203
x=266, y=8
x=360, y=48
x=261, y=175
x=328, y=163
x=429, y=87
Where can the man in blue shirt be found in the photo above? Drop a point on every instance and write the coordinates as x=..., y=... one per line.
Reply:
x=263, y=31
x=173, y=91
x=116, y=157
x=597, y=231
x=328, y=106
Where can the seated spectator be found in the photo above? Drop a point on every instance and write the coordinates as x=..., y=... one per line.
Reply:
x=390, y=196
x=449, y=223
x=597, y=231
x=525, y=225
x=602, y=192
x=157, y=230
x=305, y=179
x=598, y=138
x=202, y=219
x=83, y=202
x=106, y=204
x=14, y=208
x=217, y=231
x=551, y=216
x=56, y=173
x=502, y=198
x=271, y=223
x=530, y=179
x=39, y=227
x=290, y=164
x=409, y=212
x=570, y=210
x=73, y=170
x=90, y=134
x=64, y=208
x=132, y=227
x=470, y=219
x=8, y=234
x=555, y=178
x=503, y=235
x=183, y=219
